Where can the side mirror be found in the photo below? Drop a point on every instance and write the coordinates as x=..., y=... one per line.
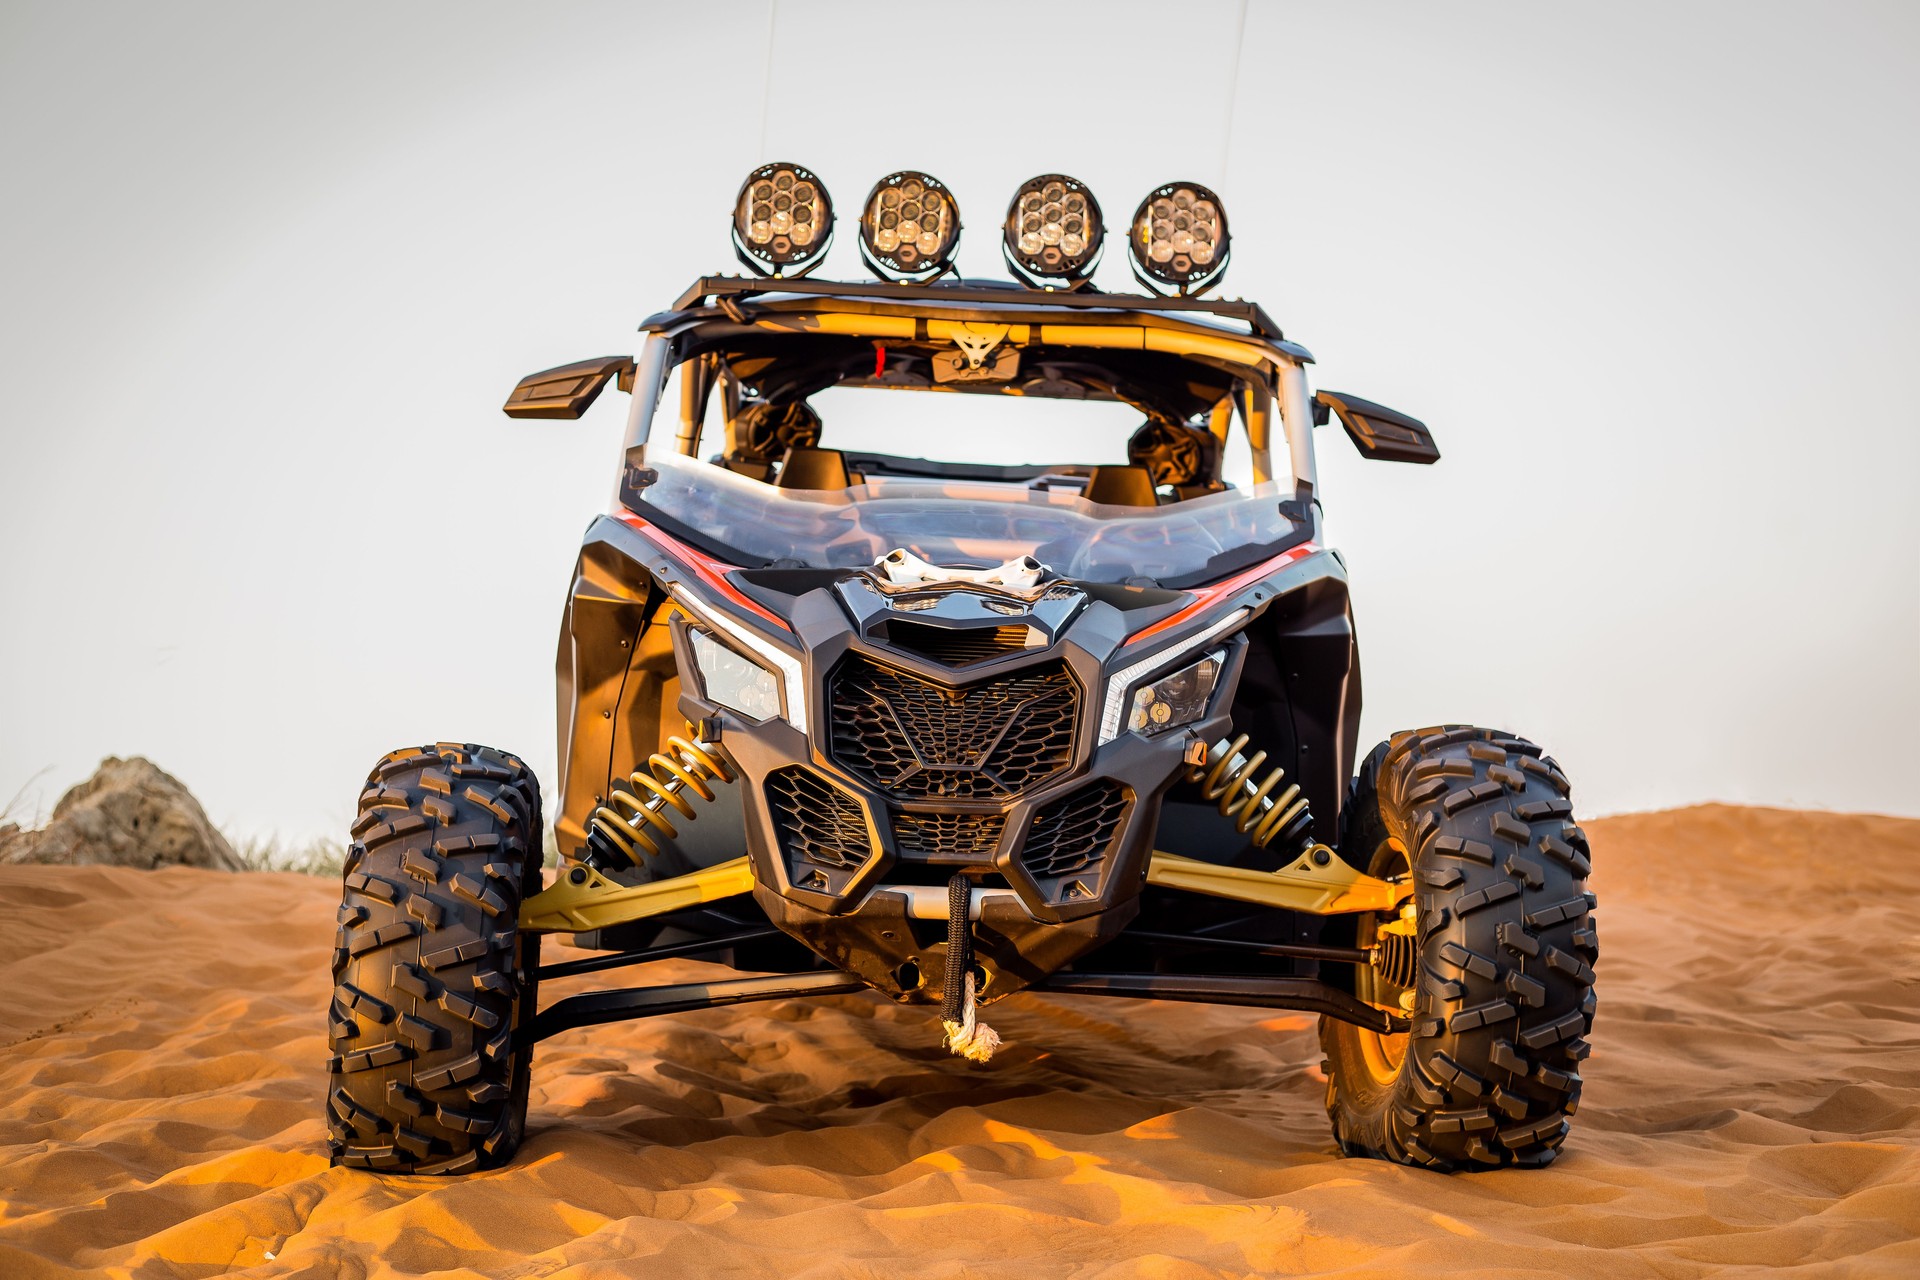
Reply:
x=566, y=392
x=1377, y=431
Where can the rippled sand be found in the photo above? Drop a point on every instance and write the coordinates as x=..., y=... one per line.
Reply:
x=1753, y=1099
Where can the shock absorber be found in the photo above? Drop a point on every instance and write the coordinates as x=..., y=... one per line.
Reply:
x=1256, y=802
x=634, y=818
x=1276, y=817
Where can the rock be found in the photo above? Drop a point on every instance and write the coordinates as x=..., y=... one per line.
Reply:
x=128, y=814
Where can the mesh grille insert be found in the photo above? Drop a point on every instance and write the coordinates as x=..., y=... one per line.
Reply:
x=919, y=740
x=947, y=835
x=1073, y=832
x=819, y=824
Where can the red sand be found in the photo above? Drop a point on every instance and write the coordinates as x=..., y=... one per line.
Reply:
x=1752, y=1100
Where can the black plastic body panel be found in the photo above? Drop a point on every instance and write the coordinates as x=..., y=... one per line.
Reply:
x=1290, y=682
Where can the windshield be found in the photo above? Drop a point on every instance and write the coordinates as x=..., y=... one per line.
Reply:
x=970, y=477
x=964, y=523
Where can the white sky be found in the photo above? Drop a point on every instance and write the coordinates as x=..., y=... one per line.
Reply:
x=1647, y=270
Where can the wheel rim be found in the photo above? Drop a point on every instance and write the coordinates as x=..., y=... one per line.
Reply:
x=1382, y=1055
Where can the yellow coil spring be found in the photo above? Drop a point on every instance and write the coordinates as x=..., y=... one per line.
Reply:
x=1229, y=778
x=626, y=816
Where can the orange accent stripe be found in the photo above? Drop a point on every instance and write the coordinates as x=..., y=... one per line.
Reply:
x=710, y=571
x=1206, y=597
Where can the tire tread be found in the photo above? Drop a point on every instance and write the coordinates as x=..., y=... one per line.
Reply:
x=429, y=961
x=1508, y=952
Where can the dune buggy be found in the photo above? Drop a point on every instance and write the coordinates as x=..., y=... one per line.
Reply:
x=846, y=718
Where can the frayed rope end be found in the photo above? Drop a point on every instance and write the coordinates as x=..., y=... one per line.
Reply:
x=970, y=1037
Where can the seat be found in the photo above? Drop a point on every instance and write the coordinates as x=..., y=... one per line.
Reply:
x=1121, y=487
x=1182, y=456
x=762, y=433
x=752, y=469
x=809, y=468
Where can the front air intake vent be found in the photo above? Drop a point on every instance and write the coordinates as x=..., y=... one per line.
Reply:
x=1071, y=835
x=823, y=830
x=960, y=647
x=918, y=740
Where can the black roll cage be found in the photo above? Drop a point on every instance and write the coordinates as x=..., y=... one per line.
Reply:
x=995, y=299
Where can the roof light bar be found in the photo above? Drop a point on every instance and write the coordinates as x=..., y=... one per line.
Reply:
x=909, y=228
x=782, y=220
x=1054, y=235
x=1179, y=239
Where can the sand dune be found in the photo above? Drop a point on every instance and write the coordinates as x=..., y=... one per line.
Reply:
x=1753, y=1099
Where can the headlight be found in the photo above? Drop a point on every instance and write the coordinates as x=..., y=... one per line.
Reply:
x=910, y=227
x=1054, y=234
x=782, y=220
x=734, y=682
x=1175, y=700
x=1179, y=239
x=768, y=658
x=1117, y=707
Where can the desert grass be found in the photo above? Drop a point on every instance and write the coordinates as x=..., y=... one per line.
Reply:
x=319, y=856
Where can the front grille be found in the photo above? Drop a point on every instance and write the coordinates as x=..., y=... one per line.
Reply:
x=981, y=741
x=947, y=836
x=1072, y=833
x=819, y=824
x=957, y=647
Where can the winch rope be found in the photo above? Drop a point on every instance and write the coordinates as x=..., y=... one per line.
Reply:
x=959, y=1011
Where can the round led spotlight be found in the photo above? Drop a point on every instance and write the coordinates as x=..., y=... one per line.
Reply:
x=1054, y=234
x=910, y=227
x=782, y=220
x=1179, y=239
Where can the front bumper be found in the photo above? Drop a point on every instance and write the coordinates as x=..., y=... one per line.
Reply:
x=913, y=770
